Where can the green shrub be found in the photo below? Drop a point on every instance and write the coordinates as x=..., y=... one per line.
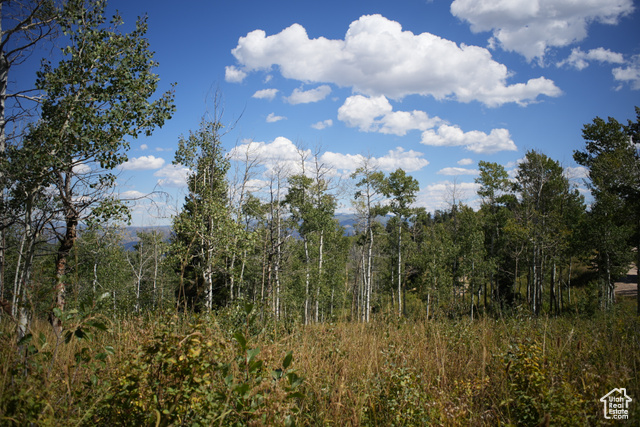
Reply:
x=199, y=378
x=538, y=393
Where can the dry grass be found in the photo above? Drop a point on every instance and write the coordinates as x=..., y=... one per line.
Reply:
x=385, y=373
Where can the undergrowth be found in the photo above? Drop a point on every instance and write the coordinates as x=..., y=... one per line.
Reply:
x=177, y=369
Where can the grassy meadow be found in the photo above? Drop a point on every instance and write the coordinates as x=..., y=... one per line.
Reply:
x=230, y=369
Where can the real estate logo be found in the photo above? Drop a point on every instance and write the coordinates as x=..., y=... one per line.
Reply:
x=616, y=404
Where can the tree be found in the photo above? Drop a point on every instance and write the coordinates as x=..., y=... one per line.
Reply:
x=472, y=255
x=432, y=259
x=401, y=190
x=367, y=201
x=612, y=156
x=206, y=223
x=542, y=188
x=96, y=97
x=495, y=194
x=101, y=265
x=24, y=25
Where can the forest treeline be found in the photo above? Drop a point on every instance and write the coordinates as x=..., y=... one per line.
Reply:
x=533, y=245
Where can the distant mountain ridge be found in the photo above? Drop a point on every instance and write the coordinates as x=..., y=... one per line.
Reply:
x=347, y=221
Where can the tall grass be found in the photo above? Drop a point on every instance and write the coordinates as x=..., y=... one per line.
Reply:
x=526, y=371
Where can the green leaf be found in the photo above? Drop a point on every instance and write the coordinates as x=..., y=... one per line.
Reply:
x=42, y=339
x=294, y=379
x=98, y=325
x=248, y=308
x=251, y=353
x=286, y=362
x=80, y=334
x=255, y=366
x=241, y=340
x=228, y=380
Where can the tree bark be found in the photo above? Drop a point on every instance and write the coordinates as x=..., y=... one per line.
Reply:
x=66, y=244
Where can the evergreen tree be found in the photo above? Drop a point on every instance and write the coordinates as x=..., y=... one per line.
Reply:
x=205, y=229
x=613, y=158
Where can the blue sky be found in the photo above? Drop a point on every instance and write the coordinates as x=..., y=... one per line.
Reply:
x=432, y=86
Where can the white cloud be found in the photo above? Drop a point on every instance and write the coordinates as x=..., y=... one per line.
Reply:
x=233, y=74
x=144, y=147
x=531, y=27
x=265, y=94
x=465, y=162
x=272, y=118
x=81, y=168
x=322, y=124
x=580, y=60
x=410, y=160
x=440, y=195
x=375, y=114
x=172, y=176
x=578, y=172
x=313, y=95
x=476, y=141
x=458, y=171
x=630, y=74
x=131, y=195
x=281, y=152
x=143, y=163
x=377, y=57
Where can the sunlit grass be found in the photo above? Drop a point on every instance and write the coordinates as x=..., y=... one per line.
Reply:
x=389, y=372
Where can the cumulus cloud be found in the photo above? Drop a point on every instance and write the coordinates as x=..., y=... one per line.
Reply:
x=284, y=154
x=578, y=172
x=476, y=141
x=143, y=163
x=375, y=114
x=265, y=94
x=233, y=74
x=440, y=195
x=322, y=124
x=410, y=160
x=281, y=152
x=377, y=57
x=172, y=176
x=307, y=96
x=580, y=59
x=144, y=147
x=531, y=27
x=458, y=171
x=81, y=168
x=629, y=74
x=272, y=118
x=465, y=162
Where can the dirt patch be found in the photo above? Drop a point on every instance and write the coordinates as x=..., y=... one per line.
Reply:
x=628, y=286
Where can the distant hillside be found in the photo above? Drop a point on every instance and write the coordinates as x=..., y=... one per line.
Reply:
x=348, y=221
x=131, y=234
